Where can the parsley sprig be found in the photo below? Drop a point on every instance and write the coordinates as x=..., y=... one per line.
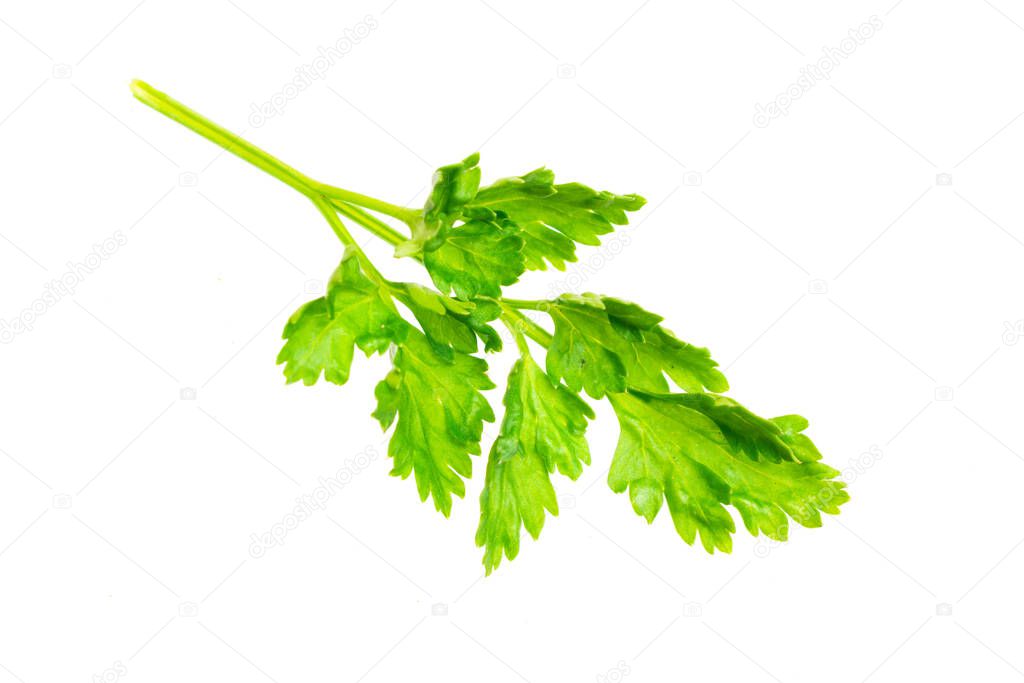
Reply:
x=682, y=442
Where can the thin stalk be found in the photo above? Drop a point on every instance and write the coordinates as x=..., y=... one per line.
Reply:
x=194, y=121
x=330, y=201
x=406, y=215
x=532, y=304
x=519, y=322
x=517, y=334
x=373, y=224
x=346, y=238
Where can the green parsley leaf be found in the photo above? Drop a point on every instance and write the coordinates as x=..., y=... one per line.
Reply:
x=316, y=345
x=542, y=431
x=541, y=246
x=586, y=352
x=442, y=319
x=603, y=344
x=690, y=367
x=654, y=352
x=452, y=323
x=699, y=451
x=799, y=444
x=755, y=437
x=485, y=311
x=440, y=413
x=452, y=187
x=321, y=334
x=554, y=217
x=669, y=451
x=477, y=257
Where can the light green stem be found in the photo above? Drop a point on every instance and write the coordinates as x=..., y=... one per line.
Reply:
x=517, y=334
x=373, y=224
x=519, y=322
x=346, y=238
x=529, y=304
x=330, y=201
x=171, y=108
x=193, y=120
x=406, y=215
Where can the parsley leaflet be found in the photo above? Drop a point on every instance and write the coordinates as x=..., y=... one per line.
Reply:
x=682, y=444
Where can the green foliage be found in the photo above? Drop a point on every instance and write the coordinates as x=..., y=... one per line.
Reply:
x=555, y=217
x=696, y=450
x=670, y=452
x=451, y=324
x=474, y=241
x=603, y=344
x=542, y=431
x=453, y=187
x=440, y=413
x=477, y=258
x=322, y=333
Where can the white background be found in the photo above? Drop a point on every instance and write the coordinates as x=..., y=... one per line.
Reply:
x=818, y=257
